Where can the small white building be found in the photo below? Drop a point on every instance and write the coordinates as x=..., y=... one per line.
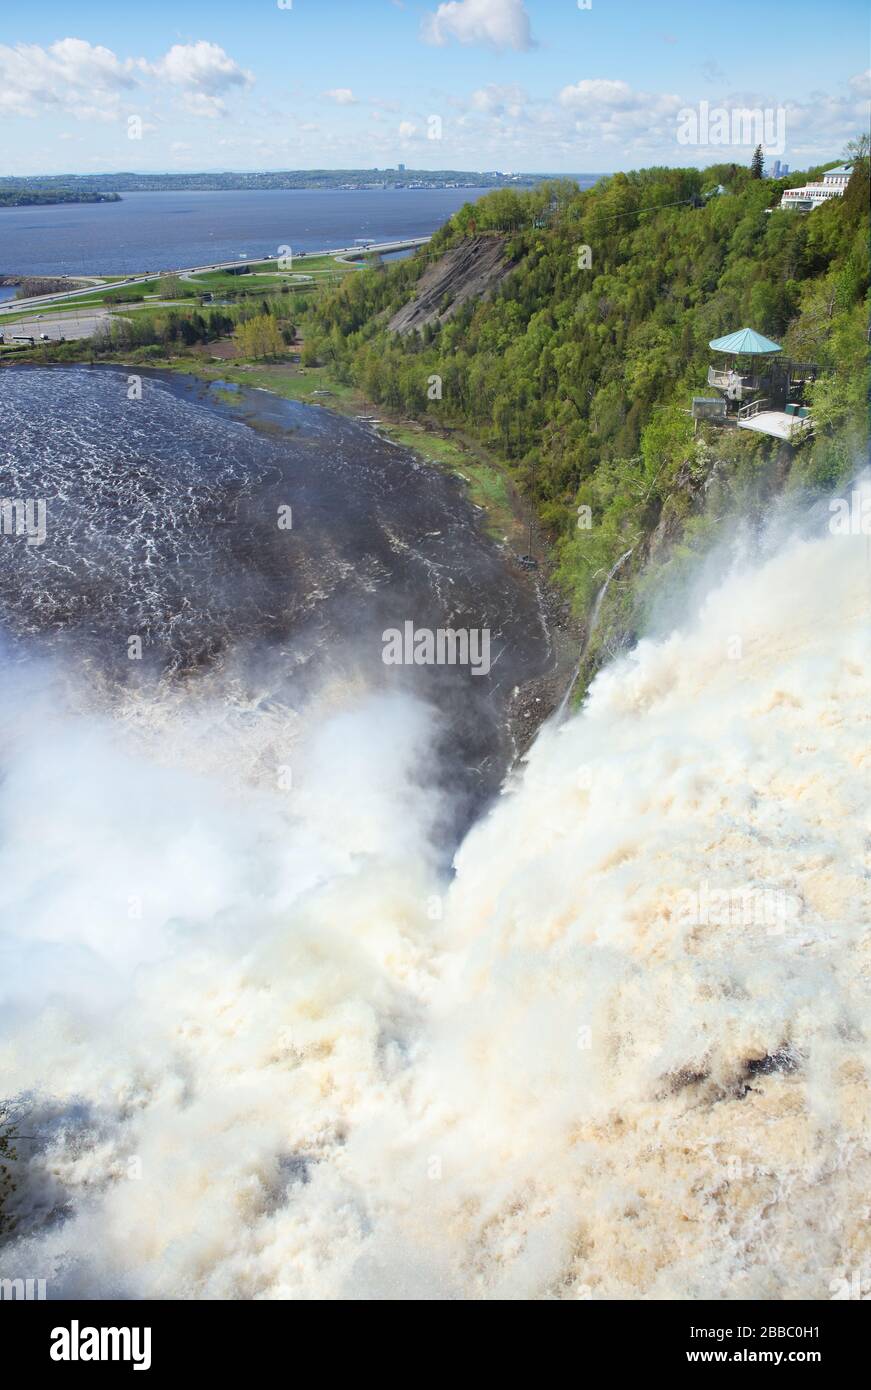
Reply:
x=813, y=195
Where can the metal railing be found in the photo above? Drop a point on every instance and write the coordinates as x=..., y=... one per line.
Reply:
x=752, y=408
x=739, y=382
x=799, y=426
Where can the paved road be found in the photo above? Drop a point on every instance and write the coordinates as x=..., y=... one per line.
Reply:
x=15, y=306
x=73, y=323
x=81, y=323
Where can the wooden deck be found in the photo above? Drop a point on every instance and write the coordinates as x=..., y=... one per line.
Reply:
x=777, y=424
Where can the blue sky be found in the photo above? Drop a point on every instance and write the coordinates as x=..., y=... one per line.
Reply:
x=470, y=84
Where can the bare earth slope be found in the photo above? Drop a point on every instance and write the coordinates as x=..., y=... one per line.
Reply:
x=469, y=271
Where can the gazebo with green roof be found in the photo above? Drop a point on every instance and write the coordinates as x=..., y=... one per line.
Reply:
x=744, y=342
x=766, y=388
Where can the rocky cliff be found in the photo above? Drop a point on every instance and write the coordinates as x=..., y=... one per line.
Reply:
x=468, y=271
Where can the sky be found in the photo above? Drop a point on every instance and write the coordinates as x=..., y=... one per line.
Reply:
x=556, y=86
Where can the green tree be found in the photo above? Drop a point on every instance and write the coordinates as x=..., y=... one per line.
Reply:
x=172, y=287
x=260, y=337
x=590, y=371
x=856, y=194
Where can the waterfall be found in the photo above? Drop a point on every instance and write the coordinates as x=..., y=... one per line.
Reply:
x=622, y=1052
x=593, y=624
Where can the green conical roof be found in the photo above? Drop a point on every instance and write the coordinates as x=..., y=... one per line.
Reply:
x=745, y=340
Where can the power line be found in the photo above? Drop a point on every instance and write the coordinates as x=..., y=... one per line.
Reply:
x=659, y=207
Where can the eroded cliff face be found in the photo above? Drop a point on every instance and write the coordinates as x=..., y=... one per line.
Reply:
x=468, y=271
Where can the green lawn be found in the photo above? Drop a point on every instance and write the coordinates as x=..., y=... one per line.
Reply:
x=84, y=304
x=114, y=295
x=63, y=308
x=298, y=385
x=212, y=280
x=134, y=294
x=486, y=480
x=318, y=268
x=322, y=268
x=306, y=265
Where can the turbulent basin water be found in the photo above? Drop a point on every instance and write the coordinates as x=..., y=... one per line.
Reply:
x=262, y=1040
x=271, y=561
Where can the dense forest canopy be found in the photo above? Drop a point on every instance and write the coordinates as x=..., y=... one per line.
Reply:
x=580, y=370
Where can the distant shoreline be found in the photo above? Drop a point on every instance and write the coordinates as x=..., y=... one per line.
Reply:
x=344, y=180
x=24, y=197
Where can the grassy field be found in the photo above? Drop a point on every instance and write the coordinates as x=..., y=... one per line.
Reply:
x=49, y=309
x=262, y=277
x=265, y=275
x=213, y=282
x=135, y=294
x=84, y=306
x=110, y=297
x=309, y=264
x=224, y=282
x=487, y=482
x=291, y=382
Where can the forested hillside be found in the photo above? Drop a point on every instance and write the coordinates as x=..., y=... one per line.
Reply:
x=14, y=195
x=579, y=371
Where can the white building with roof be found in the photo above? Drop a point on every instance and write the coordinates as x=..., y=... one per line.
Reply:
x=813, y=195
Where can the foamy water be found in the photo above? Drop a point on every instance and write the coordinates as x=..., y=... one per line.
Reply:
x=266, y=1052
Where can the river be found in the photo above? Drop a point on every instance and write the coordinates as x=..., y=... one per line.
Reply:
x=162, y=231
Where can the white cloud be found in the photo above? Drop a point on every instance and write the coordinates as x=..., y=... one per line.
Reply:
x=599, y=94
x=202, y=105
x=71, y=75
x=498, y=23
x=342, y=96
x=609, y=112
x=77, y=62
x=861, y=83
x=494, y=100
x=407, y=130
x=89, y=81
x=204, y=72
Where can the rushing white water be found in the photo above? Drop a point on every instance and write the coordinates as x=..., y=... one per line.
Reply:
x=624, y=1053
